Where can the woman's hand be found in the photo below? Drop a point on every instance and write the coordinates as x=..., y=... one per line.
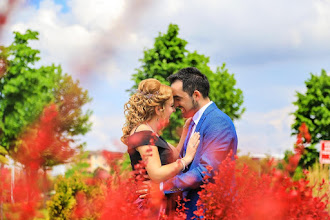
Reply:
x=192, y=147
x=186, y=127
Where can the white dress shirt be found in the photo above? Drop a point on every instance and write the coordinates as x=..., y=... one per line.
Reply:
x=197, y=116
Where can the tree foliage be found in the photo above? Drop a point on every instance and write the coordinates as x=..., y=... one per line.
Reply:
x=79, y=165
x=26, y=91
x=314, y=108
x=70, y=98
x=169, y=55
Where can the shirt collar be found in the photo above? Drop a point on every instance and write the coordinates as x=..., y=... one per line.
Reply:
x=197, y=116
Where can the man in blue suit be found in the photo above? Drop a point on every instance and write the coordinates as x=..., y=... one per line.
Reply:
x=217, y=133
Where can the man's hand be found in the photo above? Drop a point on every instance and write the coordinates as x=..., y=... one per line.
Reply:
x=144, y=189
x=149, y=189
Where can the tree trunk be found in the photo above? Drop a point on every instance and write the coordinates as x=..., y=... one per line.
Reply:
x=45, y=187
x=12, y=183
x=1, y=191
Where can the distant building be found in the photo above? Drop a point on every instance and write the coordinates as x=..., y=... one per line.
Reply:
x=259, y=157
x=96, y=159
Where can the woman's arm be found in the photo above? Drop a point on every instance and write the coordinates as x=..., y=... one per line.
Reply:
x=178, y=148
x=159, y=173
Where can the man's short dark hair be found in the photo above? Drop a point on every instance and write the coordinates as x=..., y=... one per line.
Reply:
x=192, y=79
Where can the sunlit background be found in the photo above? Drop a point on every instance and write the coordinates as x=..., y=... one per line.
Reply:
x=270, y=46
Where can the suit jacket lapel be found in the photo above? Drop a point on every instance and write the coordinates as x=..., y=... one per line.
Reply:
x=206, y=112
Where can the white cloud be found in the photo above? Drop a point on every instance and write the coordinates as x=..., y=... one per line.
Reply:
x=97, y=14
x=239, y=30
x=268, y=132
x=86, y=38
x=319, y=25
x=106, y=133
x=59, y=39
x=3, y=6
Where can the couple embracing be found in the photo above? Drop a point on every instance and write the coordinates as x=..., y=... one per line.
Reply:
x=207, y=137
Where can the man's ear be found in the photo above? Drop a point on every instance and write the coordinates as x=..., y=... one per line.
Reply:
x=197, y=95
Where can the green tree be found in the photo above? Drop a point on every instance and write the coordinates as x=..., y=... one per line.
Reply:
x=26, y=90
x=79, y=165
x=314, y=108
x=169, y=55
x=224, y=94
x=70, y=98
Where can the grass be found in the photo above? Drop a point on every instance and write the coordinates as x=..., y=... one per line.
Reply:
x=316, y=175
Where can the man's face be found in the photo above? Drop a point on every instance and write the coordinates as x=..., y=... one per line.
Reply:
x=183, y=101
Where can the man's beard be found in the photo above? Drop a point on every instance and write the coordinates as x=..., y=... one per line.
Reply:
x=195, y=104
x=194, y=109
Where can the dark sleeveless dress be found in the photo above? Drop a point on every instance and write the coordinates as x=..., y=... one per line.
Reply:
x=166, y=156
x=142, y=138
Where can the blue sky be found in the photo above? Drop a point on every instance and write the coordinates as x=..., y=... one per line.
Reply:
x=62, y=3
x=271, y=46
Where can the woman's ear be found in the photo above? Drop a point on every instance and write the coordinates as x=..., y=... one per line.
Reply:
x=158, y=110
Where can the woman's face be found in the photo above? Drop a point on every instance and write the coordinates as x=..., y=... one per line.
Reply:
x=168, y=110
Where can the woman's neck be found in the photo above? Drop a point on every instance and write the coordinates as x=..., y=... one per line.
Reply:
x=154, y=125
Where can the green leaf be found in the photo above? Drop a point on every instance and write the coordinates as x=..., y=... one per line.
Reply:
x=3, y=151
x=3, y=160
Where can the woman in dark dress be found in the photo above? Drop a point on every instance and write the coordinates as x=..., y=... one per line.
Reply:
x=147, y=113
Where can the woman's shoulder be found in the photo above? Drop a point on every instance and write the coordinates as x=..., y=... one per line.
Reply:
x=139, y=128
x=141, y=135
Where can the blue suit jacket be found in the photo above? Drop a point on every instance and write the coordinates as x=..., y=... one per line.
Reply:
x=217, y=138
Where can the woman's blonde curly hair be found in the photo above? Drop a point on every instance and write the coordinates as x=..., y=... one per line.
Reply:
x=141, y=105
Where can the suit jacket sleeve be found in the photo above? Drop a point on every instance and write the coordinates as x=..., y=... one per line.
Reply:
x=218, y=139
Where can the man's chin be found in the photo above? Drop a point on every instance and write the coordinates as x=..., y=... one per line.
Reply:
x=185, y=115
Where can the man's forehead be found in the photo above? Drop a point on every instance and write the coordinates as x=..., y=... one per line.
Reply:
x=177, y=86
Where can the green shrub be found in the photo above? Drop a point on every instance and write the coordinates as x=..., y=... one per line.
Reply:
x=63, y=202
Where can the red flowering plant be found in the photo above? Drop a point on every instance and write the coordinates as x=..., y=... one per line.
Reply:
x=25, y=198
x=235, y=193
x=38, y=147
x=107, y=195
x=305, y=154
x=5, y=187
x=119, y=198
x=244, y=194
x=41, y=145
x=122, y=200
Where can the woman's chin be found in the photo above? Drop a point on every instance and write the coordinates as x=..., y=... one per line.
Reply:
x=166, y=123
x=163, y=125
